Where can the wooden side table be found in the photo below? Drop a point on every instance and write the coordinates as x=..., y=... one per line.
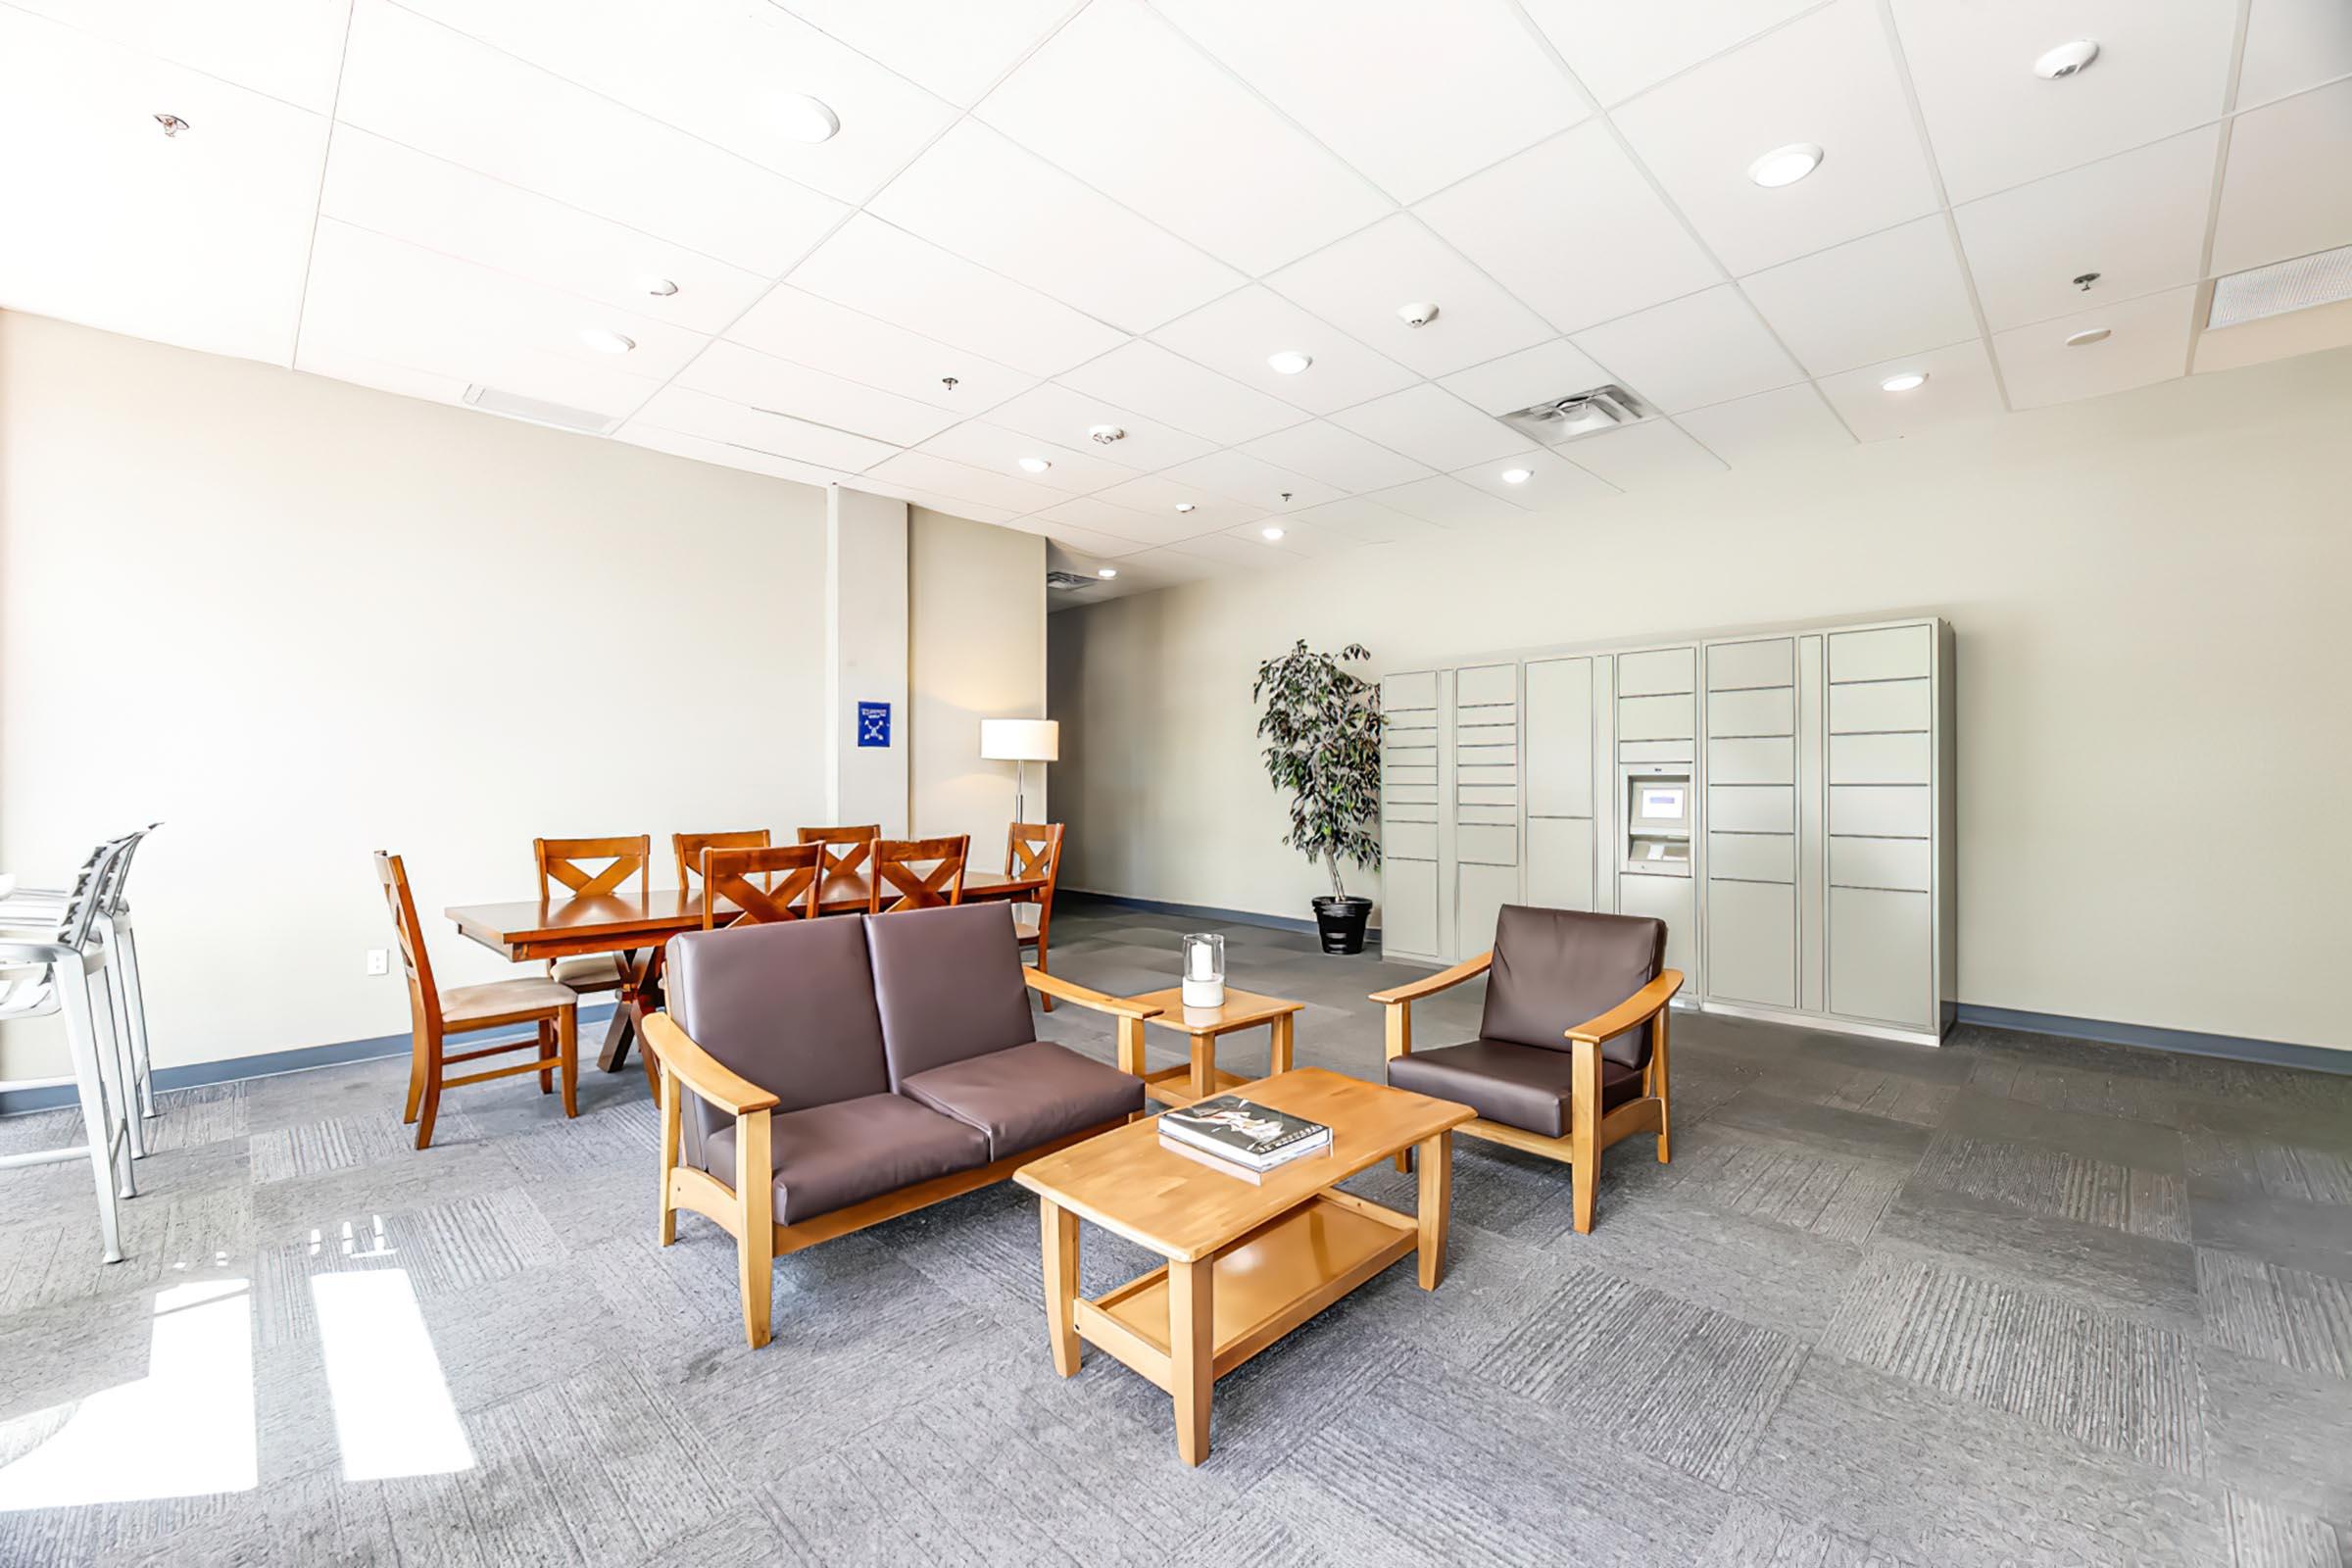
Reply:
x=1199, y=1076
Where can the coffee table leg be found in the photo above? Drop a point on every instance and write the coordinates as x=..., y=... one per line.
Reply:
x=1204, y=1066
x=1060, y=1228
x=1436, y=1204
x=1279, y=1056
x=1192, y=1353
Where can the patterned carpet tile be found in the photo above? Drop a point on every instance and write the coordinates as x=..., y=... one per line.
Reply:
x=2279, y=1433
x=2296, y=1319
x=1827, y=1195
x=2263, y=1535
x=2271, y=1168
x=1755, y=1536
x=2048, y=1181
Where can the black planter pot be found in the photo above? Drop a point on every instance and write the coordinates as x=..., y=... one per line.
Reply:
x=1341, y=922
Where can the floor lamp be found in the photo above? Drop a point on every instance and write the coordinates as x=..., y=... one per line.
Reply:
x=1020, y=741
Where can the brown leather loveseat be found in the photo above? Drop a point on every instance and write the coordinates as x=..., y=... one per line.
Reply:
x=821, y=1076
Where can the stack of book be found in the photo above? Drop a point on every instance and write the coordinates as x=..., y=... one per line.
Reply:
x=1239, y=1136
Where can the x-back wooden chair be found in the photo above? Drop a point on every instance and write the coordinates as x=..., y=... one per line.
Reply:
x=899, y=883
x=846, y=847
x=785, y=889
x=1033, y=849
x=568, y=864
x=689, y=847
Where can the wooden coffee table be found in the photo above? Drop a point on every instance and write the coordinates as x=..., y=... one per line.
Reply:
x=1247, y=1261
x=1198, y=1074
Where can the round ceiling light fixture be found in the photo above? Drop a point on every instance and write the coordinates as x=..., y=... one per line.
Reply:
x=2067, y=59
x=605, y=341
x=2085, y=338
x=1035, y=464
x=659, y=288
x=1517, y=475
x=1270, y=534
x=1106, y=572
x=1288, y=362
x=1907, y=381
x=803, y=118
x=1785, y=166
x=1184, y=505
x=1103, y=435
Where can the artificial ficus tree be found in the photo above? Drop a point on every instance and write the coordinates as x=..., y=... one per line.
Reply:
x=1322, y=732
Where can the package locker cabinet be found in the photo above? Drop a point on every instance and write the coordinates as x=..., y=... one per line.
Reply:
x=1561, y=844
x=1750, y=933
x=1485, y=801
x=1657, y=737
x=1408, y=814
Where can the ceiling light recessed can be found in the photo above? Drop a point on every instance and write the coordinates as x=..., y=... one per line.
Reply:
x=1035, y=464
x=605, y=341
x=1517, y=475
x=659, y=288
x=803, y=118
x=1908, y=381
x=1104, y=434
x=2067, y=59
x=1270, y=534
x=1184, y=505
x=2085, y=338
x=1288, y=362
x=1785, y=166
x=1106, y=572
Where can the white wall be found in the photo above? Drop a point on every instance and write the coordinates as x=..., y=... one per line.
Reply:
x=2155, y=680
x=976, y=598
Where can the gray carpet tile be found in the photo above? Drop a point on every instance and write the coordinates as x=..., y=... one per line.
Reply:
x=2019, y=1299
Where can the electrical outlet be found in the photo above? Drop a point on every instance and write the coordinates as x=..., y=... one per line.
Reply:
x=380, y=960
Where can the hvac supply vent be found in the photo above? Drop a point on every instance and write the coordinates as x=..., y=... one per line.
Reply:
x=1062, y=582
x=1558, y=419
x=538, y=411
x=2322, y=279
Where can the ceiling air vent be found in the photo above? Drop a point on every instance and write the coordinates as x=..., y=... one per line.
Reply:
x=1558, y=419
x=1062, y=582
x=2322, y=278
x=538, y=411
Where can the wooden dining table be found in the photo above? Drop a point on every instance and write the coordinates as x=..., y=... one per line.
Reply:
x=634, y=927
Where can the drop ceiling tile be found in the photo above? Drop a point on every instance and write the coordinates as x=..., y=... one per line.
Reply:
x=1143, y=376
x=2275, y=337
x=952, y=47
x=1337, y=457
x=1703, y=348
x=716, y=69
x=1098, y=515
x=1642, y=456
x=2149, y=344
x=380, y=185
x=1792, y=425
x=1429, y=423
x=287, y=49
x=1618, y=50
x=1364, y=521
x=1445, y=501
x=1572, y=228
x=887, y=273
x=952, y=505
x=1360, y=283
x=961, y=479
x=2292, y=45
x=1995, y=123
x=1551, y=481
x=1057, y=413
x=1238, y=476
x=794, y=325
x=1248, y=555
x=998, y=450
x=1868, y=299
x=1125, y=104
x=1548, y=371
x=745, y=375
x=1085, y=541
x=1959, y=388
x=1158, y=495
x=2273, y=208
x=317, y=358
x=424, y=85
x=702, y=449
x=1156, y=569
x=229, y=201
x=979, y=195
x=1298, y=539
x=1234, y=336
x=2137, y=220
x=682, y=409
x=1828, y=79
x=1414, y=105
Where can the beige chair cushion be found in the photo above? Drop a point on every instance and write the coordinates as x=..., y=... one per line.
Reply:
x=503, y=999
x=1024, y=920
x=596, y=971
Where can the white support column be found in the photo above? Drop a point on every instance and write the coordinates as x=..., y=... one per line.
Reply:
x=865, y=656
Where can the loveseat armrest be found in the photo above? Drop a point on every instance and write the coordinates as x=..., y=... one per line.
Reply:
x=702, y=1072
x=1099, y=1001
x=1635, y=1011
x=1430, y=985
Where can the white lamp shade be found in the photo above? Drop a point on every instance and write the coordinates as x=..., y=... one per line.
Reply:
x=1020, y=740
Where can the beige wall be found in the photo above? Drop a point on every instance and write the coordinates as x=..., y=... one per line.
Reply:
x=2155, y=680
x=299, y=621
x=976, y=604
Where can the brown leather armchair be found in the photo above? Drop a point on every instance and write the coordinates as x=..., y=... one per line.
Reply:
x=1571, y=1054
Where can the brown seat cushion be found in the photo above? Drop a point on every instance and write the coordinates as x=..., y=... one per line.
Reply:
x=830, y=1156
x=1027, y=1096
x=1556, y=969
x=949, y=985
x=1528, y=1087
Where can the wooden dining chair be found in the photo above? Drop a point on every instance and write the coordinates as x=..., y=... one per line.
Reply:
x=689, y=847
x=786, y=888
x=1033, y=849
x=566, y=863
x=846, y=847
x=898, y=883
x=435, y=1014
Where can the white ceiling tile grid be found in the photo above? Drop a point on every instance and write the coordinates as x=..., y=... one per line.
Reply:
x=912, y=246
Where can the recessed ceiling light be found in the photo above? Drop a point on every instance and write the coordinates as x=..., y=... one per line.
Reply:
x=1785, y=166
x=659, y=287
x=2084, y=339
x=1104, y=434
x=1270, y=534
x=1035, y=464
x=1517, y=475
x=605, y=341
x=2067, y=59
x=1184, y=505
x=1290, y=362
x=802, y=118
x=1106, y=572
x=1908, y=381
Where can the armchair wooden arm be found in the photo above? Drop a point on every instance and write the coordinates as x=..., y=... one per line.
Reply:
x=1100, y=1002
x=703, y=1072
x=1430, y=985
x=1638, y=1009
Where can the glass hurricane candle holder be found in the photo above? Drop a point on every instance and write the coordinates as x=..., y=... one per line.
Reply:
x=1205, y=970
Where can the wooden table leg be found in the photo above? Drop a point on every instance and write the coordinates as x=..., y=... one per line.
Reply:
x=624, y=1022
x=1204, y=1066
x=1279, y=1055
x=1436, y=1205
x=1061, y=1229
x=1192, y=1353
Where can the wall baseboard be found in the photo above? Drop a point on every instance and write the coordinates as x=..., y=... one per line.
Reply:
x=2155, y=1036
x=268, y=1064
x=1198, y=911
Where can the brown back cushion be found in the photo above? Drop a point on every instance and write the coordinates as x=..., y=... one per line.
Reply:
x=949, y=985
x=1556, y=969
x=790, y=1007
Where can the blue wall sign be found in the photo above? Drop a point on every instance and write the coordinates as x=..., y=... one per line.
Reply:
x=874, y=724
